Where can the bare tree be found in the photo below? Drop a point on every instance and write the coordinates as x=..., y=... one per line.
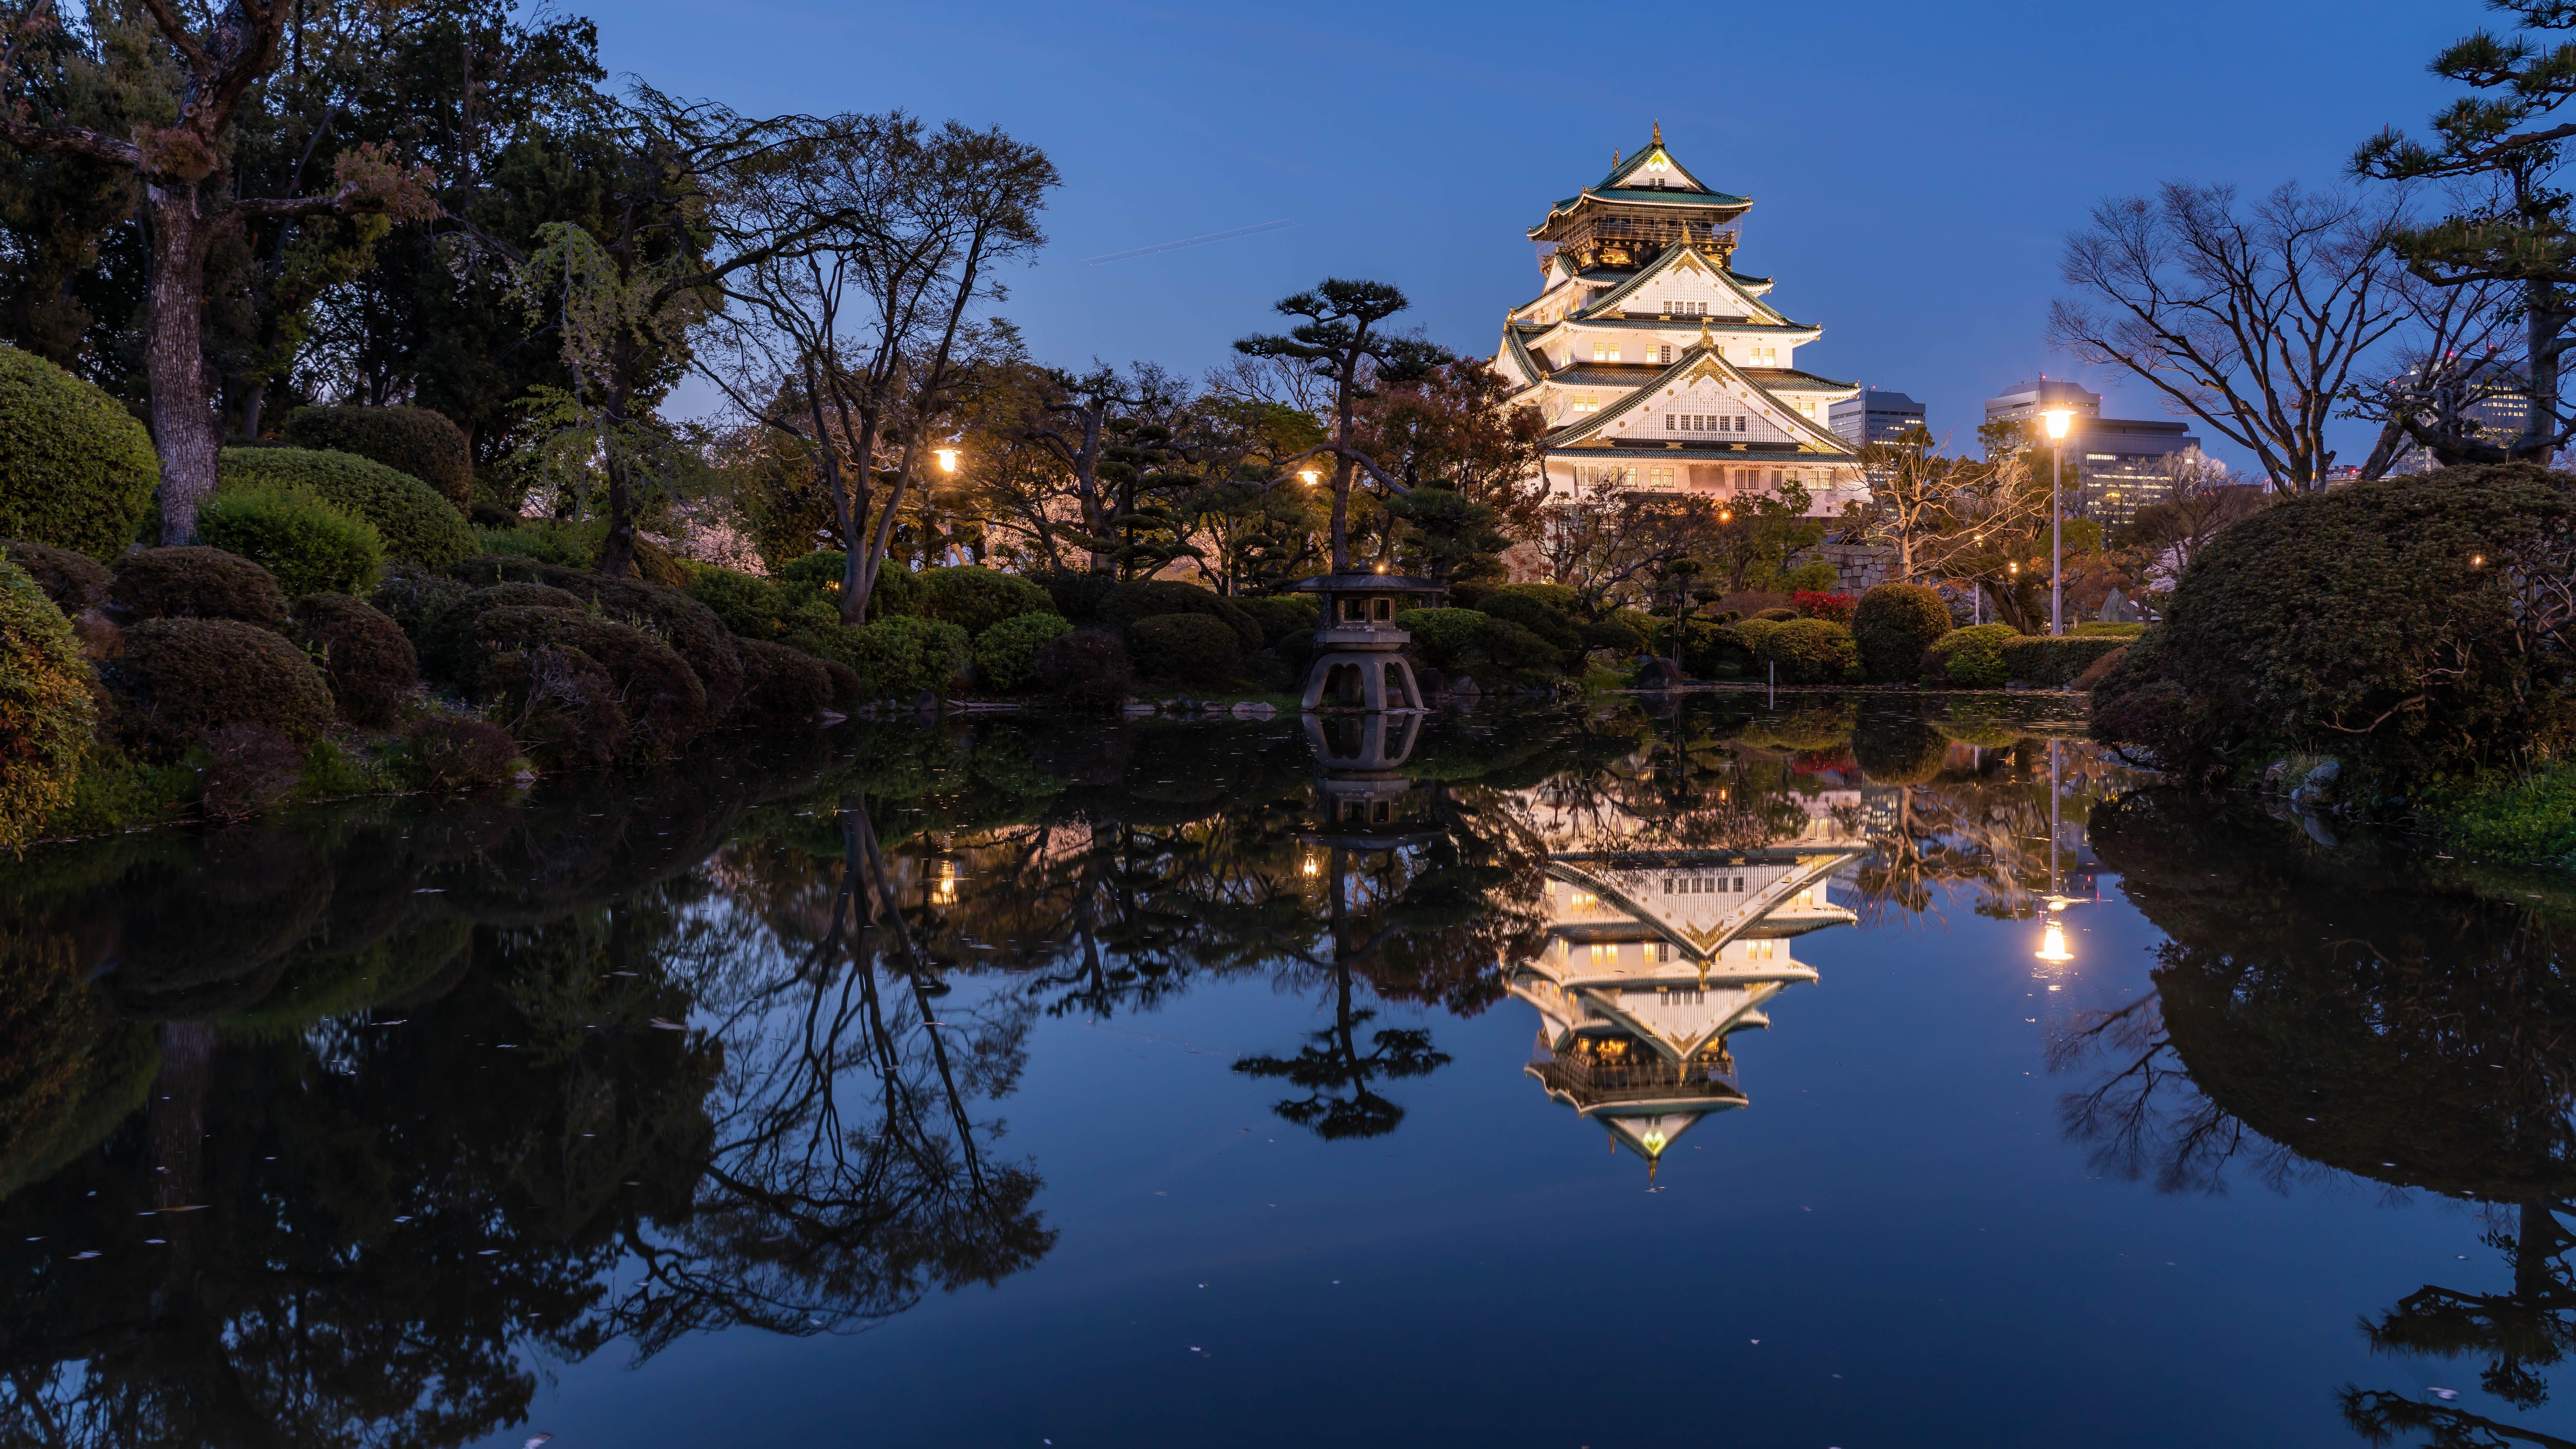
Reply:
x=2449, y=360
x=2251, y=320
x=1934, y=509
x=2203, y=499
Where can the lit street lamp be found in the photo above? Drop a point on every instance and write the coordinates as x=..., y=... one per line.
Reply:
x=947, y=458
x=2057, y=420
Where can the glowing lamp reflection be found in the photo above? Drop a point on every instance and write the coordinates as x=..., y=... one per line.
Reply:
x=2052, y=947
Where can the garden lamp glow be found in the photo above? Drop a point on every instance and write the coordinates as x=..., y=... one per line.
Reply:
x=1308, y=476
x=947, y=459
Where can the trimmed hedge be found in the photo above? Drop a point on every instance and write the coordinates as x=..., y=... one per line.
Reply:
x=975, y=599
x=451, y=752
x=417, y=525
x=781, y=686
x=1893, y=625
x=74, y=581
x=1078, y=593
x=691, y=628
x=1087, y=669
x=1196, y=648
x=409, y=440
x=446, y=641
x=900, y=657
x=1715, y=651
x=1006, y=655
x=195, y=582
x=1283, y=617
x=1145, y=599
x=370, y=667
x=1453, y=639
x=1972, y=658
x=47, y=714
x=2041, y=659
x=2382, y=623
x=306, y=544
x=185, y=677
x=76, y=470
x=753, y=608
x=589, y=687
x=1810, y=651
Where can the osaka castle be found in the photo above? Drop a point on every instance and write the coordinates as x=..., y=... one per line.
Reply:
x=1657, y=365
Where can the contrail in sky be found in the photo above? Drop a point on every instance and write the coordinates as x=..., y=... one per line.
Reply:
x=1194, y=241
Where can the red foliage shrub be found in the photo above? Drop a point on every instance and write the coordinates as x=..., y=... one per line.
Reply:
x=1835, y=608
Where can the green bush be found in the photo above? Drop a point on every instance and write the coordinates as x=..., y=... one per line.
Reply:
x=1148, y=598
x=1283, y=617
x=1527, y=606
x=545, y=540
x=900, y=657
x=1971, y=658
x=196, y=583
x=1086, y=669
x=447, y=647
x=753, y=608
x=2040, y=659
x=2108, y=631
x=74, y=581
x=976, y=599
x=781, y=686
x=1193, y=648
x=1893, y=625
x=1448, y=638
x=47, y=714
x=1560, y=598
x=452, y=752
x=2529, y=819
x=1810, y=651
x=1619, y=636
x=585, y=687
x=76, y=470
x=308, y=546
x=418, y=526
x=414, y=597
x=690, y=628
x=1715, y=651
x=181, y=678
x=2384, y=624
x=409, y=440
x=1078, y=593
x=1006, y=655
x=369, y=665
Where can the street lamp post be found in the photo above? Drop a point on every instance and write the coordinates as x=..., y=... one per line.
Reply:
x=2057, y=420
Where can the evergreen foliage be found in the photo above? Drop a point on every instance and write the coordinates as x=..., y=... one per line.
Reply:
x=975, y=599
x=1195, y=648
x=370, y=666
x=46, y=711
x=306, y=544
x=185, y=677
x=1893, y=625
x=409, y=440
x=417, y=525
x=74, y=581
x=1006, y=655
x=76, y=470
x=195, y=582
x=1971, y=658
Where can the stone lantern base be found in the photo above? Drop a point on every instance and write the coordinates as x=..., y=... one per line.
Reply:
x=1375, y=681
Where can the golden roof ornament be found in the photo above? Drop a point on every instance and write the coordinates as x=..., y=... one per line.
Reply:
x=1659, y=131
x=1704, y=338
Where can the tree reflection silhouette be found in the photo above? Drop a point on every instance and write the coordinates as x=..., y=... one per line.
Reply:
x=2325, y=1012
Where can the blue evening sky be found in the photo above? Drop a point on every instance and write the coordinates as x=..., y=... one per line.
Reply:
x=1914, y=167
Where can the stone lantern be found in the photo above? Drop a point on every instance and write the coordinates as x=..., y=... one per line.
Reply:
x=1359, y=661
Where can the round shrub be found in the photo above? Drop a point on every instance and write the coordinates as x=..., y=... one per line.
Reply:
x=690, y=628
x=1811, y=651
x=196, y=583
x=1147, y=598
x=1185, y=648
x=76, y=470
x=184, y=677
x=1777, y=616
x=849, y=691
x=1560, y=597
x=656, y=702
x=369, y=665
x=46, y=710
x=1078, y=593
x=1817, y=604
x=2046, y=660
x=1715, y=651
x=447, y=643
x=1971, y=658
x=1523, y=605
x=453, y=752
x=1087, y=669
x=752, y=608
x=781, y=686
x=976, y=599
x=1006, y=655
x=1893, y=625
x=1284, y=616
x=414, y=597
x=1897, y=749
x=1619, y=636
x=409, y=440
x=74, y=581
x=417, y=525
x=2384, y=623
x=900, y=657
x=1448, y=638
x=306, y=544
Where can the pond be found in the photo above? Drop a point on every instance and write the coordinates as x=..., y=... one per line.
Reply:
x=1852, y=1072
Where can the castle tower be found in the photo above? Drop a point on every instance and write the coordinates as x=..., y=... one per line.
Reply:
x=1657, y=365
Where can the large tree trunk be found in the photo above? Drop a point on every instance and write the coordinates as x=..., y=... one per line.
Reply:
x=184, y=431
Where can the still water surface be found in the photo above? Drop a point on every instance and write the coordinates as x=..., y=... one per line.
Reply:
x=1598, y=1077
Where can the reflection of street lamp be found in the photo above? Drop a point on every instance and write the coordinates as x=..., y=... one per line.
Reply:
x=1310, y=867
x=2057, y=420
x=2052, y=947
x=944, y=890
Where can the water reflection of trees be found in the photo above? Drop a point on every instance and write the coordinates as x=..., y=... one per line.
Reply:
x=2320, y=1014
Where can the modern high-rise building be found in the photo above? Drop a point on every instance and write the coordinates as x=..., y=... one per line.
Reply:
x=1878, y=415
x=2114, y=466
x=1657, y=365
x=2500, y=413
